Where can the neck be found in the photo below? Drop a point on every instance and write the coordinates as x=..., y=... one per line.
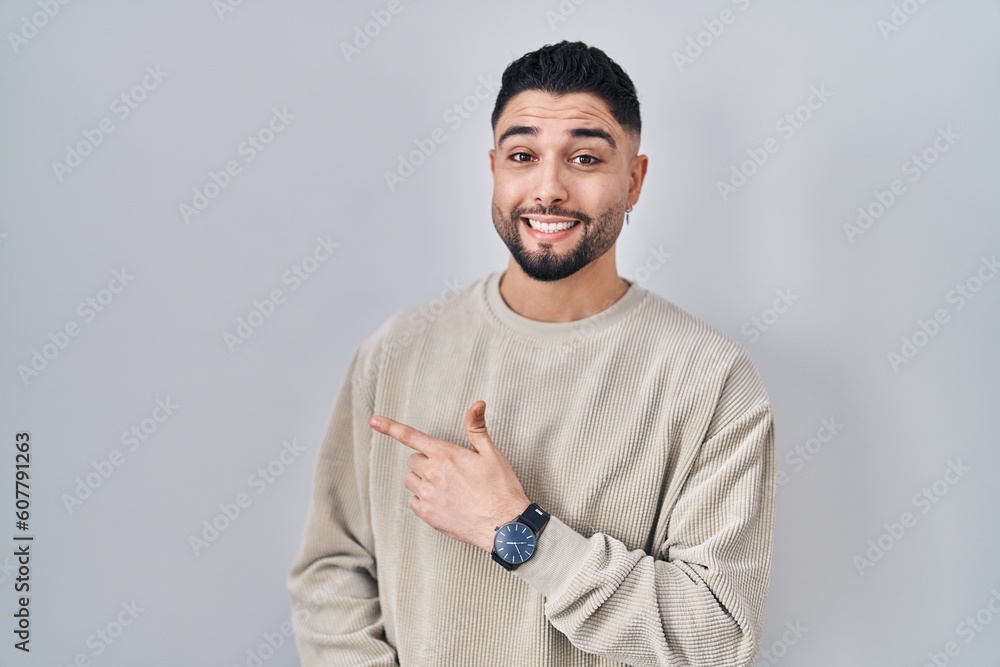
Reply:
x=587, y=292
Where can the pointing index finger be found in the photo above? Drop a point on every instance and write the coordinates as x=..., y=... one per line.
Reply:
x=405, y=435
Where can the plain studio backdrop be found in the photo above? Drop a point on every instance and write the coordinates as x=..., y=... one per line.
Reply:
x=206, y=207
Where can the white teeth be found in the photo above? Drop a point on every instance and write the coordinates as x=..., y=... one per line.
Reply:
x=550, y=226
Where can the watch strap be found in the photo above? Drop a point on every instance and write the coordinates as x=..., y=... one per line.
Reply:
x=505, y=564
x=535, y=518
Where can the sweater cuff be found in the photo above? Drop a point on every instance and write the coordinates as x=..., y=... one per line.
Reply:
x=559, y=557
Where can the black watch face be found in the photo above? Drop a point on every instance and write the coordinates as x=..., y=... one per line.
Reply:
x=514, y=542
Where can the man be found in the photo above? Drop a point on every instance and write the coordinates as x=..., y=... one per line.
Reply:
x=618, y=506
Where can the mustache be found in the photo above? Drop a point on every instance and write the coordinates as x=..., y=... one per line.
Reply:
x=551, y=210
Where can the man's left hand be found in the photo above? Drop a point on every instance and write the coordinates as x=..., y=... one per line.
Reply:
x=463, y=493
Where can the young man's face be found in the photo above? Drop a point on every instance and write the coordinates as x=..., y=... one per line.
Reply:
x=564, y=161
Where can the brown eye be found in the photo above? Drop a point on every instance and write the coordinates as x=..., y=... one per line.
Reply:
x=515, y=157
x=589, y=159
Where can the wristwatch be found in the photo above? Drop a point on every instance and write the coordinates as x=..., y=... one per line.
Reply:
x=514, y=542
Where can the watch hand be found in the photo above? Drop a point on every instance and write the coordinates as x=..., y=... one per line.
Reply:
x=518, y=548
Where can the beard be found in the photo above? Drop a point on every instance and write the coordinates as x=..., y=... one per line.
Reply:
x=547, y=265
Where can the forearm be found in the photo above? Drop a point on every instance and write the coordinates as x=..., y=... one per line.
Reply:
x=337, y=618
x=334, y=590
x=630, y=607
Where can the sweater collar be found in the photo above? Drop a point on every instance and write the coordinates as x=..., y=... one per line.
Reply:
x=559, y=331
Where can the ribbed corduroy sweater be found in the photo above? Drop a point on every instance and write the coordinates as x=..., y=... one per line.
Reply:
x=644, y=433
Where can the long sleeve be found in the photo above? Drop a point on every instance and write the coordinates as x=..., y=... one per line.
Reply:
x=333, y=582
x=700, y=600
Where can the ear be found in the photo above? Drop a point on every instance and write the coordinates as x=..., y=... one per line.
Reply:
x=637, y=174
x=493, y=162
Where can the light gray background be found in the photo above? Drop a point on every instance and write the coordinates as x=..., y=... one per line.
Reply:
x=825, y=357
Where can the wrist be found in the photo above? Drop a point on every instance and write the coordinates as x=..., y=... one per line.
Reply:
x=507, y=512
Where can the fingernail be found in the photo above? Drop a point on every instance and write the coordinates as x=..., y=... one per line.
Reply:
x=376, y=422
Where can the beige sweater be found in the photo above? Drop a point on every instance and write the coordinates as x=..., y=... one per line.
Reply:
x=643, y=432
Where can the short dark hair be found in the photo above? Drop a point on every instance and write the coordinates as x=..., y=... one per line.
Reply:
x=572, y=67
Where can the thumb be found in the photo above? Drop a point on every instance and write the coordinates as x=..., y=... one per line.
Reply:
x=475, y=427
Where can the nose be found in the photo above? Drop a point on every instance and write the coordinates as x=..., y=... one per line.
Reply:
x=550, y=186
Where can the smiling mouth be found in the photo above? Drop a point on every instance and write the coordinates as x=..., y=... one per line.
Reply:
x=550, y=227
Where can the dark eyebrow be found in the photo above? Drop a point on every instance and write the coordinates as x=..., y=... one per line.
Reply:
x=517, y=129
x=595, y=132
